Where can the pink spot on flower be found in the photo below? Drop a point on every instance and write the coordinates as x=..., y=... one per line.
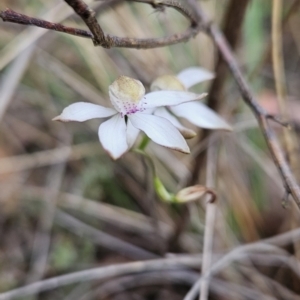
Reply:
x=132, y=111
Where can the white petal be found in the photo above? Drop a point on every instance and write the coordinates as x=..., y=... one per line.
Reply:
x=200, y=115
x=167, y=98
x=132, y=134
x=82, y=111
x=194, y=75
x=160, y=130
x=186, y=132
x=112, y=135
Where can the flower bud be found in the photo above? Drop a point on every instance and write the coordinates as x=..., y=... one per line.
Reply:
x=193, y=193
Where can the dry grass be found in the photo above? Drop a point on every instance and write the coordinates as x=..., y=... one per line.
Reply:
x=67, y=207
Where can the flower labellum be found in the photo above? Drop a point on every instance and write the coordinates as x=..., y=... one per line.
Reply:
x=118, y=134
x=125, y=94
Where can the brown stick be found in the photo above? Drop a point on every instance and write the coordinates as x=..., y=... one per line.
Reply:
x=213, y=31
x=9, y=15
x=108, y=41
x=89, y=18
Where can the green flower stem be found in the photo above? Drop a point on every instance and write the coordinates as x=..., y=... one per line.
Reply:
x=160, y=189
x=162, y=192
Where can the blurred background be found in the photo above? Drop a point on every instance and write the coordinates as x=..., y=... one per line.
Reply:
x=66, y=206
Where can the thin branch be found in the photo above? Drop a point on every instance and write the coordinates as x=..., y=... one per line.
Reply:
x=11, y=16
x=89, y=18
x=109, y=41
x=283, y=167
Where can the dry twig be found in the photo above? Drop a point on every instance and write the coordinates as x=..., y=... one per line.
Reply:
x=89, y=18
x=109, y=41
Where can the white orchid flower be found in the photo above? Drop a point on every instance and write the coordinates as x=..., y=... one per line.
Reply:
x=132, y=112
x=195, y=112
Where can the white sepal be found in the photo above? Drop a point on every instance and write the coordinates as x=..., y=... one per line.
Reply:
x=194, y=75
x=200, y=115
x=83, y=111
x=160, y=130
x=112, y=135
